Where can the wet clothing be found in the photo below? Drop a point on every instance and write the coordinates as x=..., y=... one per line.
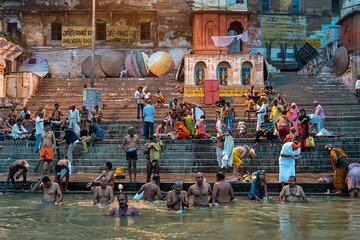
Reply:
x=340, y=167
x=287, y=164
x=257, y=188
x=46, y=154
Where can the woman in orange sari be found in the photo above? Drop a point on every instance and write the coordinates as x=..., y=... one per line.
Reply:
x=182, y=131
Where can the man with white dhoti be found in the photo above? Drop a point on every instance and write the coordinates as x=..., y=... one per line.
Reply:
x=74, y=118
x=289, y=152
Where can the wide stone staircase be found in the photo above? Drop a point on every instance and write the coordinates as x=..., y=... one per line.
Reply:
x=341, y=108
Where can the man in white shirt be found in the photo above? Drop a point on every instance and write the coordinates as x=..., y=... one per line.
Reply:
x=357, y=88
x=74, y=117
x=39, y=127
x=139, y=97
x=18, y=131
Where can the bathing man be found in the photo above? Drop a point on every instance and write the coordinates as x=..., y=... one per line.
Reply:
x=201, y=191
x=124, y=209
x=177, y=199
x=51, y=190
x=151, y=189
x=103, y=194
x=223, y=191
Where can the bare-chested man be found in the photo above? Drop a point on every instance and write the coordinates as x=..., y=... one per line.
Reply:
x=13, y=169
x=124, y=209
x=108, y=173
x=223, y=191
x=47, y=142
x=151, y=189
x=177, y=199
x=201, y=190
x=292, y=193
x=103, y=194
x=51, y=190
x=63, y=169
x=131, y=144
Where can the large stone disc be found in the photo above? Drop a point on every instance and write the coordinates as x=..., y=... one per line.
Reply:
x=86, y=67
x=341, y=61
x=112, y=63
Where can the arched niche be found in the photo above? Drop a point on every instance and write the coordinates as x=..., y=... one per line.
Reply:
x=210, y=30
x=223, y=73
x=200, y=72
x=246, y=77
x=234, y=29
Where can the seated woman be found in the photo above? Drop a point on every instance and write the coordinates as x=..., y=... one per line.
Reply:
x=292, y=193
x=159, y=98
x=182, y=131
x=258, y=190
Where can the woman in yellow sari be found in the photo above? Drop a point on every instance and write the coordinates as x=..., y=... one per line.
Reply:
x=339, y=163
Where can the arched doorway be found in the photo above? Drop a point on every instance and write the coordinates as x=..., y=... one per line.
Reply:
x=223, y=73
x=235, y=29
x=246, y=73
x=200, y=72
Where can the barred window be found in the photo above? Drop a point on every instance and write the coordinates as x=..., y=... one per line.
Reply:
x=56, y=31
x=145, y=31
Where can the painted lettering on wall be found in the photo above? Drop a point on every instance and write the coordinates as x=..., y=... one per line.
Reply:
x=277, y=30
x=76, y=36
x=122, y=33
x=223, y=92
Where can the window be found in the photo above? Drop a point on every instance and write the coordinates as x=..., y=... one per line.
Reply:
x=145, y=31
x=335, y=6
x=101, y=31
x=56, y=31
x=265, y=5
x=295, y=6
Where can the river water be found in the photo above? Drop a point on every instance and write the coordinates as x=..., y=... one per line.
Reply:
x=23, y=216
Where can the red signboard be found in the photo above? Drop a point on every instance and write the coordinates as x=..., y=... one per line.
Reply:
x=211, y=91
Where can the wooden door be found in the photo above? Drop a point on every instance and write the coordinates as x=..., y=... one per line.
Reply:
x=211, y=91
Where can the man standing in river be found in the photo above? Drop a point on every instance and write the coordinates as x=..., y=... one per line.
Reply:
x=177, y=199
x=223, y=191
x=151, y=189
x=201, y=191
x=124, y=209
x=51, y=190
x=103, y=194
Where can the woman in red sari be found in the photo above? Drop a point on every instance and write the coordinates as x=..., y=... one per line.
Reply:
x=304, y=132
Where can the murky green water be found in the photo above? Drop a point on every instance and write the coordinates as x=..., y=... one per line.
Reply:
x=23, y=216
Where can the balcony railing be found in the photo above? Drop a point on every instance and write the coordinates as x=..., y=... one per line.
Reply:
x=230, y=5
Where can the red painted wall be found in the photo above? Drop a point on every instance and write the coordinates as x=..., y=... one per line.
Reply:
x=214, y=24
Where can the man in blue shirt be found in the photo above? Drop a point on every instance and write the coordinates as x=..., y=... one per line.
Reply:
x=149, y=112
x=95, y=134
x=71, y=139
x=266, y=129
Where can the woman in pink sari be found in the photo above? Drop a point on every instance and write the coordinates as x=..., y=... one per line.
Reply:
x=292, y=114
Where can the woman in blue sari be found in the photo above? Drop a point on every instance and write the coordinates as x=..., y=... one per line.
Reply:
x=258, y=190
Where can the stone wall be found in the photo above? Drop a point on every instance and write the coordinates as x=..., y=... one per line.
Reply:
x=21, y=85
